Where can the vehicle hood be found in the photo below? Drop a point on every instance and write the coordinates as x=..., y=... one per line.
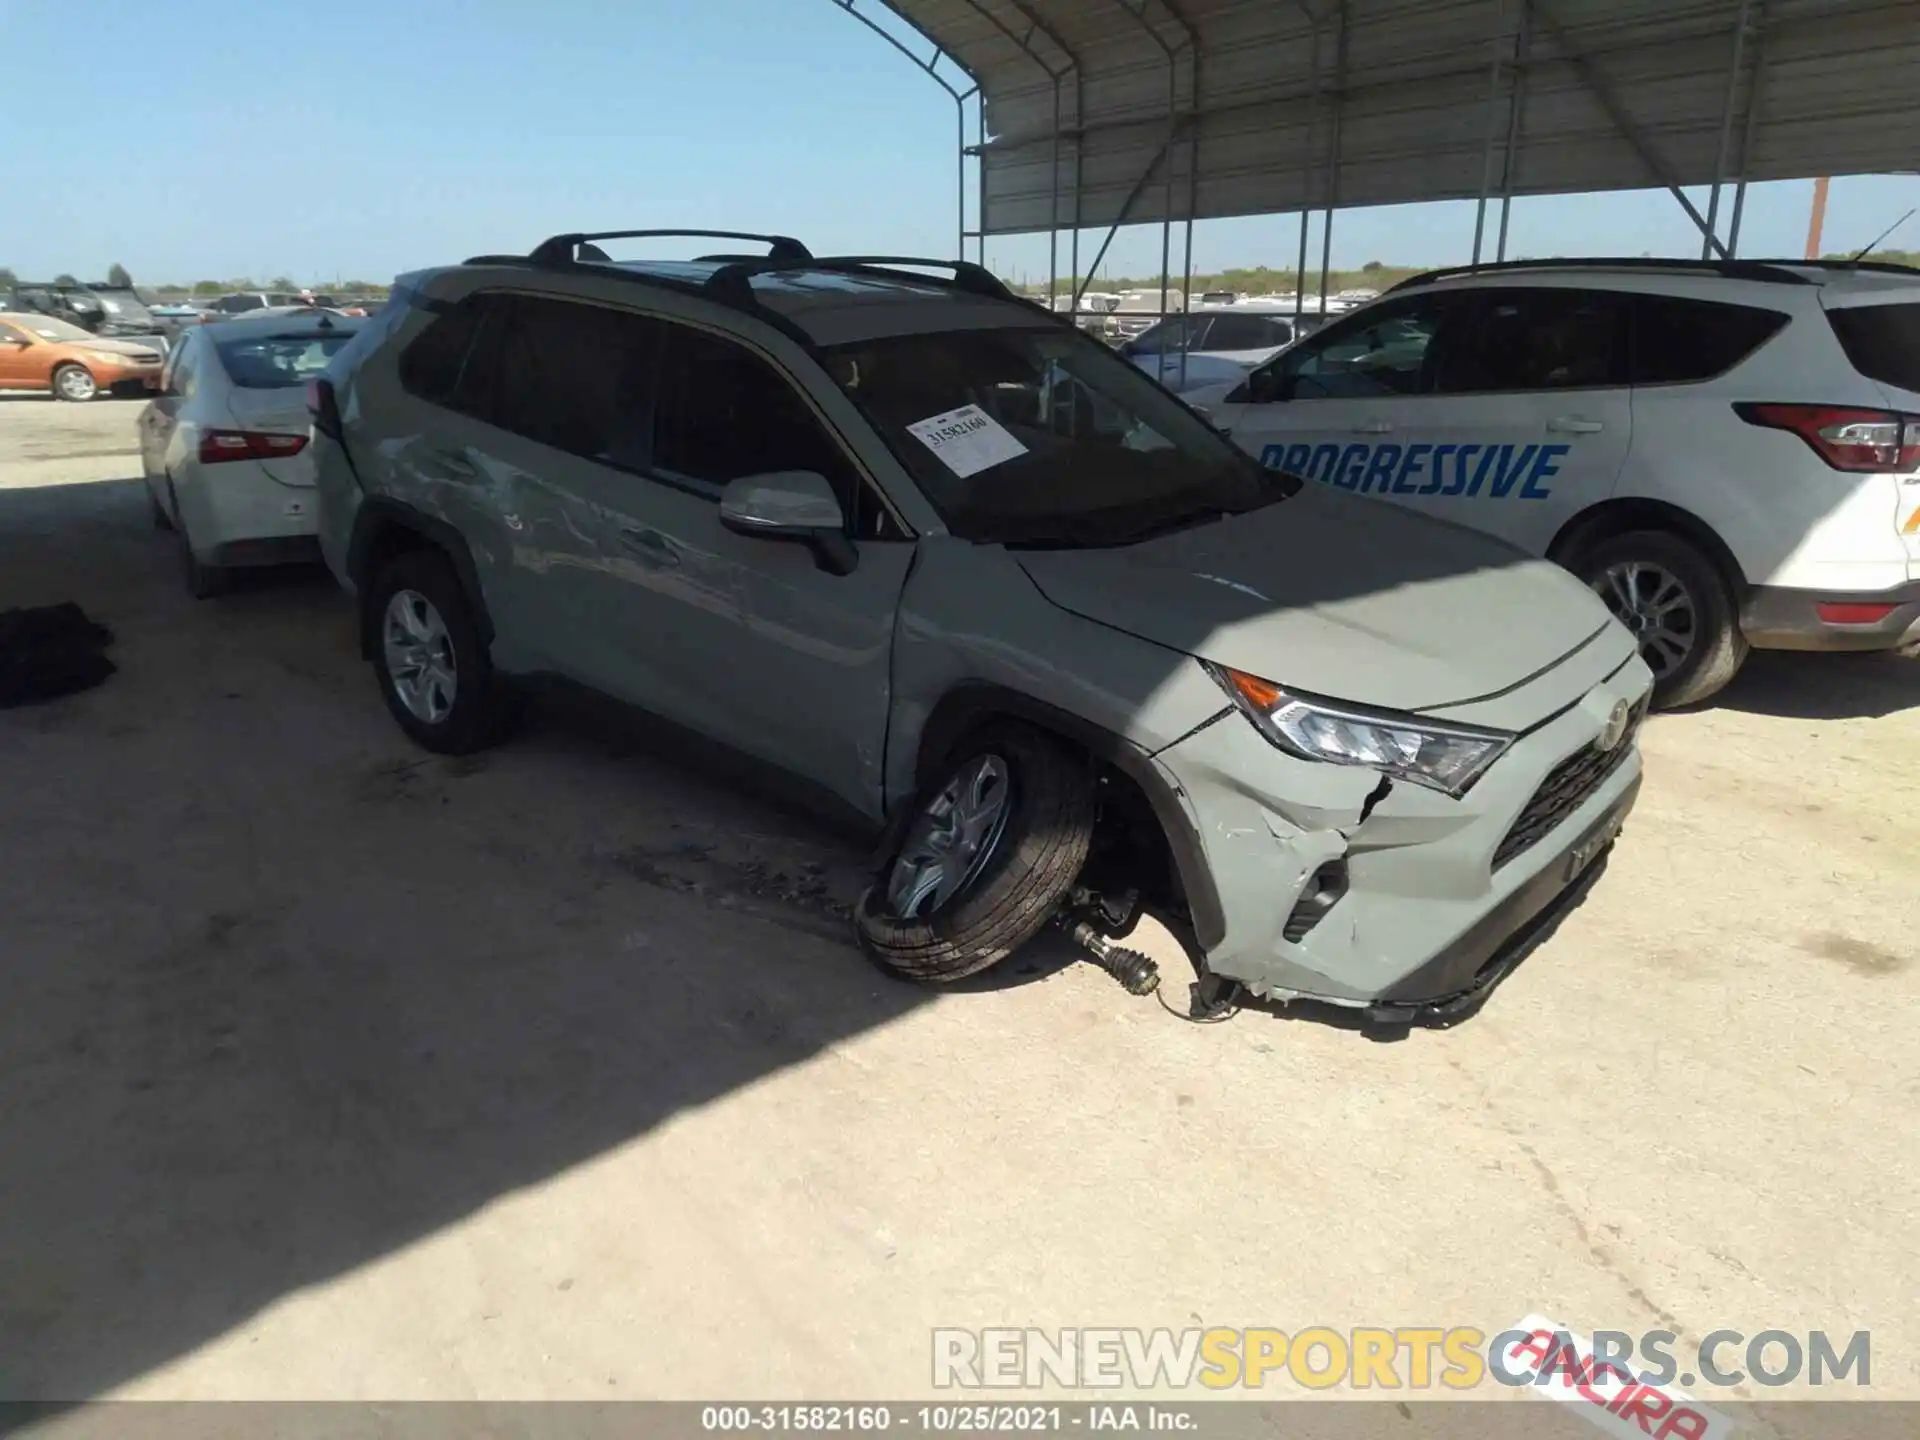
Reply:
x=1201, y=371
x=1340, y=596
x=111, y=346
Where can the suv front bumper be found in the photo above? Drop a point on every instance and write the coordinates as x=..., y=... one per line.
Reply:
x=1437, y=903
x=1776, y=618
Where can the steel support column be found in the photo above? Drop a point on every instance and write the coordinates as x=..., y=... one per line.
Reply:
x=1629, y=129
x=1516, y=117
x=1723, y=157
x=1175, y=132
x=960, y=98
x=1746, y=132
x=1333, y=152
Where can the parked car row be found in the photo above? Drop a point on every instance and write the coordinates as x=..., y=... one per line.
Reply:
x=83, y=341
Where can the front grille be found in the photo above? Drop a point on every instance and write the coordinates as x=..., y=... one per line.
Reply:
x=1565, y=789
x=144, y=357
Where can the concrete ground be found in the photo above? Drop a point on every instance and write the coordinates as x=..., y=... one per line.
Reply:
x=332, y=1069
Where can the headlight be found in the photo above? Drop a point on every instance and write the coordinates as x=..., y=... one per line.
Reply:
x=1443, y=757
x=107, y=357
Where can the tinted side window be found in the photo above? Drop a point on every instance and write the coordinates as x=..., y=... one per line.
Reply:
x=723, y=412
x=1379, y=352
x=1676, y=340
x=1530, y=339
x=1882, y=341
x=1171, y=336
x=564, y=373
x=430, y=366
x=186, y=364
x=1247, y=332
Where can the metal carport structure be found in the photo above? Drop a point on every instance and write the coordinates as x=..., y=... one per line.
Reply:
x=1101, y=113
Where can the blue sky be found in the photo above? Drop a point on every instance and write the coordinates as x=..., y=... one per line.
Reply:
x=225, y=143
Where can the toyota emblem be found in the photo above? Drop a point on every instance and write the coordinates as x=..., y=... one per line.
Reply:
x=1615, y=730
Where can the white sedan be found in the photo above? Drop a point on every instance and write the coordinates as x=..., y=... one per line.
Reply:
x=223, y=446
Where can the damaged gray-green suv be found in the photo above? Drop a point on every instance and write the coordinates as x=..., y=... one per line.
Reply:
x=885, y=526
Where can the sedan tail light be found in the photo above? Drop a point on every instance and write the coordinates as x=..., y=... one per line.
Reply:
x=324, y=406
x=1846, y=438
x=219, y=445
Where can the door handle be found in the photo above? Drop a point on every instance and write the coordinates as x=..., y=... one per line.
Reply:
x=455, y=463
x=650, y=545
x=1373, y=427
x=1574, y=425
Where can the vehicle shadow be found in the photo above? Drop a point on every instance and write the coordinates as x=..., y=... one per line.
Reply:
x=284, y=996
x=1797, y=686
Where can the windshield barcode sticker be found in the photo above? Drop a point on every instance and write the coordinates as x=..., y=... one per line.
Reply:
x=967, y=440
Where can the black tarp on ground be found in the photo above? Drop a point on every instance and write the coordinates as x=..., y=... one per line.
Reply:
x=49, y=651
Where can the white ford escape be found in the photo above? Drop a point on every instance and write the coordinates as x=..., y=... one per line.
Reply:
x=1728, y=452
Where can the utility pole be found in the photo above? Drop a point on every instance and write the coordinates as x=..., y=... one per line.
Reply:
x=1818, y=219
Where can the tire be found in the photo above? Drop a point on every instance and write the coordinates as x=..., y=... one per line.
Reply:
x=1633, y=573
x=1010, y=889
x=74, y=382
x=204, y=582
x=437, y=625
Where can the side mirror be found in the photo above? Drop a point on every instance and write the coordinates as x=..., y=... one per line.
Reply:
x=791, y=505
x=1264, y=387
x=13, y=342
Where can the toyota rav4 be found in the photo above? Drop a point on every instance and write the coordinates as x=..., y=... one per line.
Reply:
x=987, y=586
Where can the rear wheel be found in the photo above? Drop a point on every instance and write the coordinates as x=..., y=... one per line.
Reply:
x=74, y=382
x=1678, y=606
x=434, y=670
x=992, y=848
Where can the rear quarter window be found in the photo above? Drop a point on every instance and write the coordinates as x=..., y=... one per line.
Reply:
x=1677, y=341
x=430, y=366
x=1882, y=341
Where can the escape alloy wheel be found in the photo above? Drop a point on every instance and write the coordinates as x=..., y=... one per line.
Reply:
x=990, y=850
x=1679, y=608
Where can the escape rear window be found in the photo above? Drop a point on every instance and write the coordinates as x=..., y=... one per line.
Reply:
x=1882, y=341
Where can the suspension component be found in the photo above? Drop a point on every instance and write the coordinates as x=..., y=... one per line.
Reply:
x=1137, y=974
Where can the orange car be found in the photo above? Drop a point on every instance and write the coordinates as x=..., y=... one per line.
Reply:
x=40, y=352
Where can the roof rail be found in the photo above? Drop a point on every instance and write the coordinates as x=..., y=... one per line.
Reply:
x=1771, y=271
x=738, y=297
x=967, y=277
x=560, y=249
x=1882, y=267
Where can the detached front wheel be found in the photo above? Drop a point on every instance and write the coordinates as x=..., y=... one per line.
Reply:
x=991, y=849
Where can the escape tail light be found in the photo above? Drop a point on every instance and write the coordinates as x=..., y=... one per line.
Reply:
x=217, y=446
x=1851, y=613
x=1872, y=441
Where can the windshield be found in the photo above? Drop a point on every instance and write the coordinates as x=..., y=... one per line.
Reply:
x=47, y=327
x=275, y=362
x=1041, y=436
